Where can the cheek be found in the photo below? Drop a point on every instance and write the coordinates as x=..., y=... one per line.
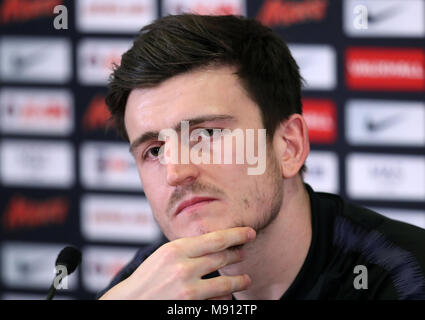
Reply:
x=154, y=193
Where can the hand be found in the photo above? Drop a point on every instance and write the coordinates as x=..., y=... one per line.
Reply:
x=174, y=271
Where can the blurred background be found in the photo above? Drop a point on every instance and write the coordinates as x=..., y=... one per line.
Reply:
x=65, y=179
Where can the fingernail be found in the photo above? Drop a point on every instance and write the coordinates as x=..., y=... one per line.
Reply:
x=251, y=234
x=248, y=280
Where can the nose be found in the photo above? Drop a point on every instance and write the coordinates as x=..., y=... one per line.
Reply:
x=181, y=174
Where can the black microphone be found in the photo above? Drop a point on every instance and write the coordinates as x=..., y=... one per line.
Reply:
x=69, y=258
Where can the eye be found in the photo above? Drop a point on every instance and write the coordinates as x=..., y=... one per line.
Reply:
x=208, y=132
x=152, y=153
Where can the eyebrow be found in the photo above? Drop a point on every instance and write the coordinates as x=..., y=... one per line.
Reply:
x=152, y=135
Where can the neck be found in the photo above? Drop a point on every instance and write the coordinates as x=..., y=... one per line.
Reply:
x=276, y=256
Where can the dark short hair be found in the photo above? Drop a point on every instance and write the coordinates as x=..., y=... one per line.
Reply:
x=176, y=44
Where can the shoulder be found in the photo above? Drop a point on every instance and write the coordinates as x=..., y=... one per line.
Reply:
x=359, y=222
x=394, y=248
x=398, y=233
x=392, y=252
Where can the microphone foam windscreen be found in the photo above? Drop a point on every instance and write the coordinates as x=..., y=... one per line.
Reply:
x=69, y=257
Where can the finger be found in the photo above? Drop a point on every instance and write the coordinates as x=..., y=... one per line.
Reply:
x=216, y=241
x=214, y=261
x=222, y=286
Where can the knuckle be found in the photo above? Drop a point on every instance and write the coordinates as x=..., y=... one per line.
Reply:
x=170, y=250
x=226, y=284
x=220, y=242
x=182, y=270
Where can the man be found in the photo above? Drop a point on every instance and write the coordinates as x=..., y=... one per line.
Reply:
x=231, y=234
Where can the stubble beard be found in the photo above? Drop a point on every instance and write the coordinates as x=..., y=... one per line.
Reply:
x=269, y=214
x=266, y=213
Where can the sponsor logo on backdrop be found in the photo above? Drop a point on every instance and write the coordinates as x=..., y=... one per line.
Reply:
x=414, y=217
x=111, y=16
x=45, y=60
x=29, y=265
x=385, y=69
x=322, y=171
x=101, y=264
x=96, y=58
x=108, y=166
x=26, y=10
x=36, y=111
x=320, y=116
x=381, y=122
x=389, y=18
x=118, y=218
x=317, y=65
x=286, y=13
x=385, y=177
x=36, y=163
x=217, y=7
x=96, y=115
x=22, y=212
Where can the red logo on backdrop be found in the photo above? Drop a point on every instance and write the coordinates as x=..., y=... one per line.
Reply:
x=97, y=114
x=385, y=69
x=100, y=8
x=24, y=213
x=219, y=9
x=110, y=270
x=107, y=61
x=32, y=110
x=24, y=10
x=320, y=116
x=286, y=13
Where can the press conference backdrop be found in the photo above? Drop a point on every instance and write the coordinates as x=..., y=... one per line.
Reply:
x=66, y=180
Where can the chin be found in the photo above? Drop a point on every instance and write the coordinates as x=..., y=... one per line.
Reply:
x=197, y=228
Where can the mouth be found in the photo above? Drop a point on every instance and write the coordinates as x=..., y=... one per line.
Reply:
x=193, y=203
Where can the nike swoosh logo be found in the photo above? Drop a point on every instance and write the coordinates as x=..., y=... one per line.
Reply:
x=374, y=125
x=384, y=14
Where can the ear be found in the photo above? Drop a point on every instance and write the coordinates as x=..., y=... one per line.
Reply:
x=290, y=142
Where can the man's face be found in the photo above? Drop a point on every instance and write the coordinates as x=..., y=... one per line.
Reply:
x=239, y=199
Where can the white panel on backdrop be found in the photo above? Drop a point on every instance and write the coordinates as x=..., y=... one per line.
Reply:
x=385, y=18
x=32, y=265
x=108, y=165
x=219, y=7
x=117, y=218
x=317, y=65
x=101, y=264
x=35, y=59
x=37, y=163
x=385, y=177
x=415, y=217
x=112, y=16
x=36, y=111
x=381, y=122
x=96, y=58
x=322, y=171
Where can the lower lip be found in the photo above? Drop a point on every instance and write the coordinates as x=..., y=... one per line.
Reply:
x=195, y=206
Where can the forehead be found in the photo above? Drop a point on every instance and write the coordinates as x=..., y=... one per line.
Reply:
x=201, y=92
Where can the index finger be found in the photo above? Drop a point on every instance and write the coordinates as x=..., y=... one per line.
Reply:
x=217, y=241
